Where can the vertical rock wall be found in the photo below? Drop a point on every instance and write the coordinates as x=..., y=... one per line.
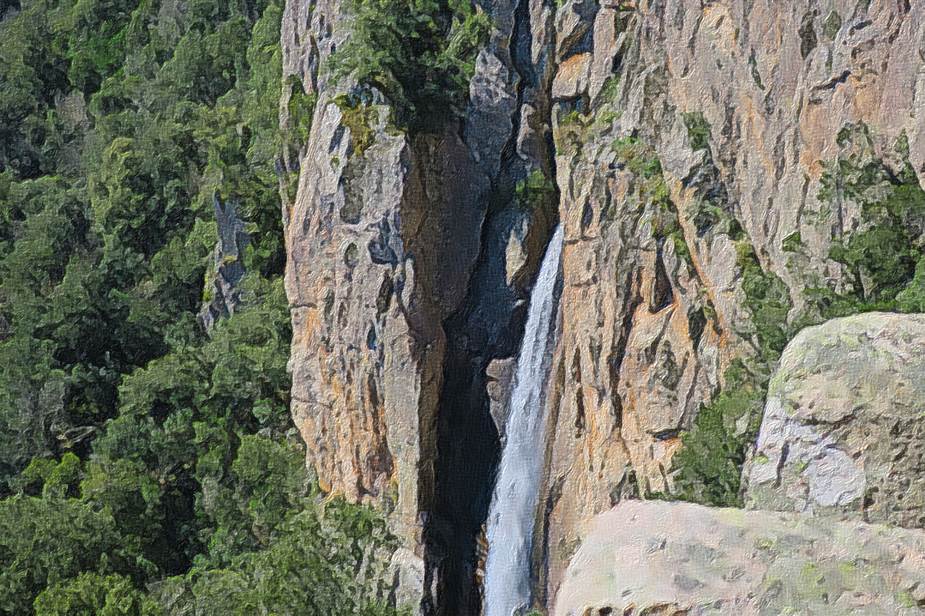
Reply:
x=681, y=135
x=741, y=103
x=409, y=260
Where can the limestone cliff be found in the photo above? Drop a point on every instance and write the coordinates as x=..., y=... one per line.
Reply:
x=707, y=158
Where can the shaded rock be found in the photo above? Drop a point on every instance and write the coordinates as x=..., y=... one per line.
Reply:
x=573, y=22
x=500, y=373
x=844, y=423
x=408, y=578
x=223, y=291
x=652, y=557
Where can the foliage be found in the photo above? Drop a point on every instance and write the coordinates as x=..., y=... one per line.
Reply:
x=832, y=25
x=92, y=593
x=419, y=53
x=359, y=118
x=883, y=255
x=44, y=541
x=534, y=190
x=610, y=89
x=638, y=157
x=698, y=130
x=136, y=449
x=301, y=107
x=767, y=300
x=641, y=160
x=709, y=465
x=326, y=551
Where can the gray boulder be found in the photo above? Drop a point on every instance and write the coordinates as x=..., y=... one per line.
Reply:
x=843, y=432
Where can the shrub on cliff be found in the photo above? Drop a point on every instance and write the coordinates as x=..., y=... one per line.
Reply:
x=419, y=53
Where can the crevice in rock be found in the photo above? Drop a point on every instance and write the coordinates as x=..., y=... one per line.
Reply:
x=488, y=326
x=618, y=350
x=662, y=293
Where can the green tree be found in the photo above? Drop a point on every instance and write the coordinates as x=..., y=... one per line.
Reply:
x=100, y=595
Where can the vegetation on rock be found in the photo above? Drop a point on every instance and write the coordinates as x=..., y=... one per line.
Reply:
x=419, y=53
x=883, y=258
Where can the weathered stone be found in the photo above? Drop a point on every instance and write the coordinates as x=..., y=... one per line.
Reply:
x=500, y=373
x=573, y=22
x=572, y=78
x=652, y=320
x=844, y=423
x=680, y=559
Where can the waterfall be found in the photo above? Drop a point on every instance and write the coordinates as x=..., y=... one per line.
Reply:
x=513, y=505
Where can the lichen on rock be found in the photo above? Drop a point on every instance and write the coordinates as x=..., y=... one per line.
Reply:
x=683, y=559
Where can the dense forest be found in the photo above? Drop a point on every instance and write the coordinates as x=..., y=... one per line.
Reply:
x=147, y=459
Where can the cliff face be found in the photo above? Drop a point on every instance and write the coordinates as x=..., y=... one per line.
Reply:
x=408, y=267
x=693, y=148
x=744, y=104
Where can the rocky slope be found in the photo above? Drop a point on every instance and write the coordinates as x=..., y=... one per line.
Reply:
x=706, y=156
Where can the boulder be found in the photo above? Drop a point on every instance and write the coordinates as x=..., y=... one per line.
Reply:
x=660, y=558
x=844, y=424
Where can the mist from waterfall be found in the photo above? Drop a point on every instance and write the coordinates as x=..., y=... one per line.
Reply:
x=513, y=506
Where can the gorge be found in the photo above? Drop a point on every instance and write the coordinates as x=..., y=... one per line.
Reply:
x=516, y=493
x=719, y=171
x=460, y=308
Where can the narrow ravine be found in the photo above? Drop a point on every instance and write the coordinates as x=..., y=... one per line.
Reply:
x=513, y=509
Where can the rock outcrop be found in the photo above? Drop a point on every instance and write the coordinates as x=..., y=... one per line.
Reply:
x=843, y=432
x=673, y=559
x=409, y=261
x=223, y=290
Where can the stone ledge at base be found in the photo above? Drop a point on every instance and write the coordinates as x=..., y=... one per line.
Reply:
x=657, y=558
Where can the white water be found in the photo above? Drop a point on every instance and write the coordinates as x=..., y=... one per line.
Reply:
x=513, y=505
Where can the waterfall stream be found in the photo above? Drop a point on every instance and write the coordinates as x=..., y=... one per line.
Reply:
x=513, y=505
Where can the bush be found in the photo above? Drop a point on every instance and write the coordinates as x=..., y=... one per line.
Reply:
x=882, y=256
x=419, y=53
x=100, y=595
x=709, y=465
x=698, y=130
x=46, y=541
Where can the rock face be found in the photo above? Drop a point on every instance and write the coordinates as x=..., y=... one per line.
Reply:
x=844, y=423
x=690, y=145
x=701, y=143
x=674, y=559
x=404, y=284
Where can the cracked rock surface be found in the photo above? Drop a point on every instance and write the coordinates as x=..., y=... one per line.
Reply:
x=678, y=559
x=844, y=423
